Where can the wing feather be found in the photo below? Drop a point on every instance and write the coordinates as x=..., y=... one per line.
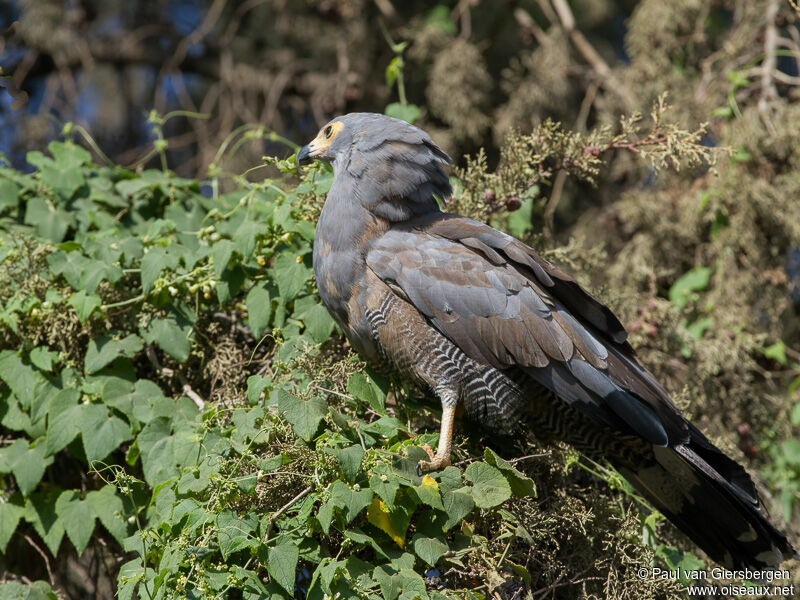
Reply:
x=504, y=306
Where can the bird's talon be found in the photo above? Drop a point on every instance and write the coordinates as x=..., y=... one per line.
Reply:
x=435, y=464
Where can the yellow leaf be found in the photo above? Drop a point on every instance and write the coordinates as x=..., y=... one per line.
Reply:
x=466, y=529
x=430, y=481
x=378, y=515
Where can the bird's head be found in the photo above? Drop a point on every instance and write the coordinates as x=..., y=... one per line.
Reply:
x=392, y=167
x=330, y=141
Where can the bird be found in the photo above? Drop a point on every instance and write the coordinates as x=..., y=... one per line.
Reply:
x=487, y=326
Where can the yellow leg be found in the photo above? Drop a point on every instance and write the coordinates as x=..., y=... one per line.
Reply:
x=442, y=457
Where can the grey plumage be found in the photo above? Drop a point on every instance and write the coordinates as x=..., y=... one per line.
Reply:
x=481, y=320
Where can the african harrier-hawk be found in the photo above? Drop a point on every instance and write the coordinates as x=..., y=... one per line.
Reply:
x=481, y=320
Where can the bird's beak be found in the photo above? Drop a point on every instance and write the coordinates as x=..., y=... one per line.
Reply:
x=304, y=155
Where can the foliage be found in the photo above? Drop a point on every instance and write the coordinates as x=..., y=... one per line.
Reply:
x=177, y=405
x=167, y=345
x=529, y=162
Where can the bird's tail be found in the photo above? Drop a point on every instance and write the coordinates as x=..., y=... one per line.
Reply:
x=711, y=498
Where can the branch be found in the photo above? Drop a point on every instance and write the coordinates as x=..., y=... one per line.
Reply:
x=283, y=509
x=768, y=90
x=187, y=389
x=44, y=556
x=588, y=52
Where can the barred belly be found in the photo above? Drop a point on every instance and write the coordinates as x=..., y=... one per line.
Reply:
x=508, y=400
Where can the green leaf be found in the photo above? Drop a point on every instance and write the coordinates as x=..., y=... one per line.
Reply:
x=259, y=309
x=40, y=512
x=107, y=506
x=325, y=516
x=394, y=70
x=520, y=484
x=11, y=511
x=244, y=240
x=153, y=264
x=235, y=533
x=349, y=460
x=777, y=352
x=305, y=416
x=351, y=501
x=130, y=187
x=795, y=416
x=696, y=329
x=385, y=484
x=20, y=378
x=43, y=358
x=429, y=549
x=282, y=564
x=520, y=220
x=364, y=388
x=679, y=561
x=51, y=223
x=490, y=488
x=63, y=417
x=290, y=275
x=84, y=304
x=68, y=155
x=170, y=337
x=741, y=156
x=692, y=281
x=457, y=505
x=26, y=462
x=77, y=517
x=791, y=451
x=221, y=253
x=9, y=194
x=130, y=575
x=105, y=349
x=255, y=386
x=428, y=492
x=404, y=112
x=36, y=590
x=439, y=17
x=81, y=272
x=63, y=180
x=229, y=284
x=101, y=431
x=318, y=322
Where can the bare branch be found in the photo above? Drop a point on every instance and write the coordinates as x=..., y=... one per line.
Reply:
x=283, y=509
x=588, y=52
x=768, y=67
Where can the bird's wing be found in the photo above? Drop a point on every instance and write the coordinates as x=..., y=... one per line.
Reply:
x=505, y=306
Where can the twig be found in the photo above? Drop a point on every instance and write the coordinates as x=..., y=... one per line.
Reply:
x=513, y=460
x=327, y=391
x=187, y=388
x=768, y=90
x=188, y=391
x=212, y=17
x=46, y=560
x=461, y=12
x=555, y=199
x=588, y=52
x=386, y=8
x=283, y=509
x=794, y=4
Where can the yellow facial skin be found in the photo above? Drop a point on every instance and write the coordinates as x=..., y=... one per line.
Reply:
x=324, y=139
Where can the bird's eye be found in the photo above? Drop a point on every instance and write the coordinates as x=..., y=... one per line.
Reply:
x=328, y=132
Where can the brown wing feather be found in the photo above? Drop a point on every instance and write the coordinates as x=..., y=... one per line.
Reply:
x=505, y=306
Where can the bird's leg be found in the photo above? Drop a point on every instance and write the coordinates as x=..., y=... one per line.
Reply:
x=441, y=459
